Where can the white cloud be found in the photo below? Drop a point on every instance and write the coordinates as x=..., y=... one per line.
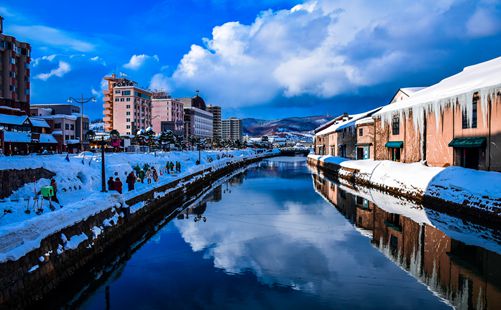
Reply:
x=160, y=82
x=137, y=61
x=61, y=70
x=483, y=23
x=322, y=48
x=52, y=37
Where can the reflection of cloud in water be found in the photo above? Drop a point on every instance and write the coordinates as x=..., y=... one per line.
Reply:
x=292, y=244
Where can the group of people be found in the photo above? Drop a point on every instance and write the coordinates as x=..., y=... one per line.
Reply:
x=150, y=174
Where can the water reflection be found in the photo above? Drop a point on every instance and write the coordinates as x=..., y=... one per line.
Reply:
x=468, y=276
x=269, y=240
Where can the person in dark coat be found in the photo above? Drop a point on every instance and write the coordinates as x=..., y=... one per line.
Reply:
x=131, y=181
x=54, y=186
x=111, y=184
x=118, y=185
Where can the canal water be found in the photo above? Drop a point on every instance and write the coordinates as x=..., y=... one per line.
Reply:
x=280, y=236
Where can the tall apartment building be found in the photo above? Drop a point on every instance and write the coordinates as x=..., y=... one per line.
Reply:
x=216, y=122
x=232, y=129
x=167, y=114
x=14, y=72
x=127, y=107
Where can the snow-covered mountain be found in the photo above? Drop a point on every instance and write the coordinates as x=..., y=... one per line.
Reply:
x=297, y=125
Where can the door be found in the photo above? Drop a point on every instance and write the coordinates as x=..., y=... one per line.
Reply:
x=470, y=158
x=360, y=153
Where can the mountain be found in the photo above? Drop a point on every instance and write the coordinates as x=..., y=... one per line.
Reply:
x=258, y=127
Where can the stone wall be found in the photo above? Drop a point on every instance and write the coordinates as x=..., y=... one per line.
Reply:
x=12, y=179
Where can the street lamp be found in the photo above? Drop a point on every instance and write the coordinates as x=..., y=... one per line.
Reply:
x=102, y=140
x=81, y=100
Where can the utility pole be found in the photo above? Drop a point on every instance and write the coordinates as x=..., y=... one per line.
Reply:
x=82, y=100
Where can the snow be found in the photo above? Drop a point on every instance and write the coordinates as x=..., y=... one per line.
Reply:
x=17, y=136
x=477, y=189
x=364, y=121
x=37, y=122
x=47, y=138
x=74, y=241
x=345, y=122
x=79, y=186
x=13, y=119
x=483, y=78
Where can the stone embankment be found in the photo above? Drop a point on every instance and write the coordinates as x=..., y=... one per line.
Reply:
x=454, y=190
x=70, y=252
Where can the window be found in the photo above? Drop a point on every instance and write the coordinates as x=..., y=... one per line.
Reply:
x=127, y=99
x=360, y=132
x=117, y=91
x=126, y=93
x=116, y=99
x=72, y=127
x=13, y=60
x=121, y=99
x=72, y=137
x=57, y=126
x=128, y=126
x=127, y=113
x=473, y=116
x=67, y=126
x=128, y=106
x=128, y=120
x=395, y=125
x=66, y=137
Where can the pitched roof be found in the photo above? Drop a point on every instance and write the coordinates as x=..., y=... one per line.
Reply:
x=484, y=78
x=13, y=119
x=341, y=122
x=37, y=122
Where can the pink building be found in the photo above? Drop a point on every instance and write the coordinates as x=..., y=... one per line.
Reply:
x=167, y=114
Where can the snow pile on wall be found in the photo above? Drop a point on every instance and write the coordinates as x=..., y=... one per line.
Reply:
x=472, y=188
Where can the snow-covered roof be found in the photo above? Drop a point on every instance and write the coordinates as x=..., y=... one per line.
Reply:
x=409, y=91
x=47, y=138
x=345, y=122
x=17, y=137
x=57, y=132
x=38, y=122
x=56, y=116
x=484, y=78
x=364, y=121
x=72, y=141
x=13, y=119
x=4, y=107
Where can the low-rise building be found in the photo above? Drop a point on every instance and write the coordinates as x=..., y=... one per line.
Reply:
x=197, y=121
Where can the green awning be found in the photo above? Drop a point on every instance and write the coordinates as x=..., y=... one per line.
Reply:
x=471, y=142
x=395, y=144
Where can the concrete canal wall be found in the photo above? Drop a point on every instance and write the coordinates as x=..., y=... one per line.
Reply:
x=461, y=194
x=70, y=251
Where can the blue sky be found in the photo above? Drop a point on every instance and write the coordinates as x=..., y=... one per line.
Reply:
x=265, y=59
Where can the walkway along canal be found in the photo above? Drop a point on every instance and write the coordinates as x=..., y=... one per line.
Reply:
x=278, y=235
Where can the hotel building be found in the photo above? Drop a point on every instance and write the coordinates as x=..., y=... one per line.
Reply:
x=167, y=114
x=14, y=72
x=197, y=121
x=216, y=122
x=127, y=107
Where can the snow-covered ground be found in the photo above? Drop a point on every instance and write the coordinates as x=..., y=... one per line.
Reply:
x=472, y=188
x=79, y=186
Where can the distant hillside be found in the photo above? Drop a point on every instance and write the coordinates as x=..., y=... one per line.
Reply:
x=258, y=127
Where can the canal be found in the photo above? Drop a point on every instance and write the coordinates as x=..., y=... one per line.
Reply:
x=281, y=236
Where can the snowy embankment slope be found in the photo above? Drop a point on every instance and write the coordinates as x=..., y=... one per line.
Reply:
x=79, y=185
x=461, y=186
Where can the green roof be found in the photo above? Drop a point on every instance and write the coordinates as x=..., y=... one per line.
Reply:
x=470, y=142
x=395, y=144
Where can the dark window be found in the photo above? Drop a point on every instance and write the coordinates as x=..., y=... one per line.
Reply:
x=473, y=118
x=72, y=127
x=395, y=125
x=57, y=125
x=360, y=131
x=67, y=126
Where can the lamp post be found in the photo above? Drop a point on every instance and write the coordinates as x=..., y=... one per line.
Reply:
x=102, y=140
x=81, y=100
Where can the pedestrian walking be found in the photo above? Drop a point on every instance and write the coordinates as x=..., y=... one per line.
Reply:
x=141, y=175
x=111, y=184
x=118, y=185
x=155, y=175
x=131, y=181
x=171, y=166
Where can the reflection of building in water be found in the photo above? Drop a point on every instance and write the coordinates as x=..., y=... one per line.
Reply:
x=467, y=276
